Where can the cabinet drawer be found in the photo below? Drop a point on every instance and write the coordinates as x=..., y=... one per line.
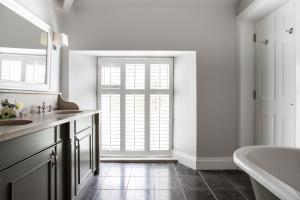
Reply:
x=83, y=123
x=15, y=150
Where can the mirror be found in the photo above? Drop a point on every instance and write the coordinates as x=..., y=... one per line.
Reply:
x=24, y=50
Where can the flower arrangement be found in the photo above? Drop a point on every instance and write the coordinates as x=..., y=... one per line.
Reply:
x=9, y=110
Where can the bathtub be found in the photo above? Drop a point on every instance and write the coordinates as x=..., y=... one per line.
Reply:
x=274, y=171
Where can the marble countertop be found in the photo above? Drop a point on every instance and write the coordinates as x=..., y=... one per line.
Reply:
x=40, y=122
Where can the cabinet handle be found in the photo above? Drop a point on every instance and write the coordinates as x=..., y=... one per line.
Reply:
x=53, y=158
x=77, y=143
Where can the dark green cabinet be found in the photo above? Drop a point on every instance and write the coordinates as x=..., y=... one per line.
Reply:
x=83, y=157
x=50, y=164
x=34, y=178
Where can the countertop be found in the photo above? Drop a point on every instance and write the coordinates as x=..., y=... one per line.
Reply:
x=40, y=122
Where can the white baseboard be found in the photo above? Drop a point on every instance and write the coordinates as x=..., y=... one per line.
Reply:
x=204, y=163
x=185, y=159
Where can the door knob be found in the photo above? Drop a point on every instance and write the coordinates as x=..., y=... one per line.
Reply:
x=290, y=31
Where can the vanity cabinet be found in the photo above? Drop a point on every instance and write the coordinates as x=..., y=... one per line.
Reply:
x=51, y=163
x=85, y=151
x=36, y=177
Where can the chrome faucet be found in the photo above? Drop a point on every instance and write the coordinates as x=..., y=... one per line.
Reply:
x=43, y=107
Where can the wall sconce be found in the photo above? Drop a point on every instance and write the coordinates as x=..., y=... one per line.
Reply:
x=44, y=39
x=60, y=39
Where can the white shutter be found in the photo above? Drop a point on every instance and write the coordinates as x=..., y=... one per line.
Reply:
x=159, y=76
x=110, y=75
x=135, y=123
x=110, y=126
x=135, y=76
x=136, y=103
x=159, y=122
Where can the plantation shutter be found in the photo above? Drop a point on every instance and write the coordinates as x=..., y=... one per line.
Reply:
x=136, y=98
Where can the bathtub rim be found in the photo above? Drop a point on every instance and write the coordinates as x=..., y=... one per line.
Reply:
x=270, y=182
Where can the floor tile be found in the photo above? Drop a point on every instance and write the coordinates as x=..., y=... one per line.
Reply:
x=248, y=193
x=240, y=180
x=110, y=195
x=103, y=171
x=192, y=183
x=228, y=194
x=166, y=172
x=199, y=195
x=141, y=183
x=140, y=195
x=169, y=195
x=94, y=182
x=186, y=172
x=166, y=183
x=86, y=194
x=210, y=172
x=115, y=183
x=233, y=172
x=142, y=171
x=218, y=182
x=119, y=171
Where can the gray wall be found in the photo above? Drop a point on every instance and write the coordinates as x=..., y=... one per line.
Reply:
x=83, y=80
x=208, y=29
x=243, y=4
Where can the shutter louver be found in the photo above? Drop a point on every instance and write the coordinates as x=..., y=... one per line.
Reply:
x=159, y=122
x=110, y=126
x=135, y=76
x=135, y=123
x=159, y=76
x=110, y=76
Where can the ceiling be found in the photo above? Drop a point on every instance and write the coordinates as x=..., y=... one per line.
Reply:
x=95, y=3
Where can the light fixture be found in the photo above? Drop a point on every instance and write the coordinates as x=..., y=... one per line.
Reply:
x=60, y=39
x=44, y=39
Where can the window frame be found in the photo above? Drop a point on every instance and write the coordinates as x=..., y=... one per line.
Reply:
x=147, y=92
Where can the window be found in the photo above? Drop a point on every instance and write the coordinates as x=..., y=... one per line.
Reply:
x=136, y=99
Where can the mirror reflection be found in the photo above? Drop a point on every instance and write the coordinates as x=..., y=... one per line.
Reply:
x=23, y=50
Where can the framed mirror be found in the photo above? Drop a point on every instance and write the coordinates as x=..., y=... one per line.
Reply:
x=25, y=49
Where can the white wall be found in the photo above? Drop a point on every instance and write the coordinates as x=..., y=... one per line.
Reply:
x=185, y=107
x=83, y=80
x=50, y=13
x=209, y=30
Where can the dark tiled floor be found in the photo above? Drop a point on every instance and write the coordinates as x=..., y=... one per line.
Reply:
x=165, y=181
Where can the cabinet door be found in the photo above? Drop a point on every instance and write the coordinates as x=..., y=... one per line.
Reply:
x=83, y=157
x=32, y=179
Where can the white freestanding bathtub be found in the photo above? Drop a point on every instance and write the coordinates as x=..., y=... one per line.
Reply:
x=274, y=171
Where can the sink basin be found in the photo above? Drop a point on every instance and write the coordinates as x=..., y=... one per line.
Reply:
x=13, y=122
x=67, y=111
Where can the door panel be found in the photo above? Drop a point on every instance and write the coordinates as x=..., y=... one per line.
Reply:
x=32, y=179
x=275, y=78
x=268, y=129
x=83, y=157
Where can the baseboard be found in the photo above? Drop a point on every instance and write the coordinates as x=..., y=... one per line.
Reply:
x=215, y=163
x=204, y=163
x=185, y=159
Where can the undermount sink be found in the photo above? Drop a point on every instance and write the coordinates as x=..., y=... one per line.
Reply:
x=13, y=122
x=67, y=111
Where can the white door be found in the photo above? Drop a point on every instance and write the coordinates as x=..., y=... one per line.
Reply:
x=275, y=82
